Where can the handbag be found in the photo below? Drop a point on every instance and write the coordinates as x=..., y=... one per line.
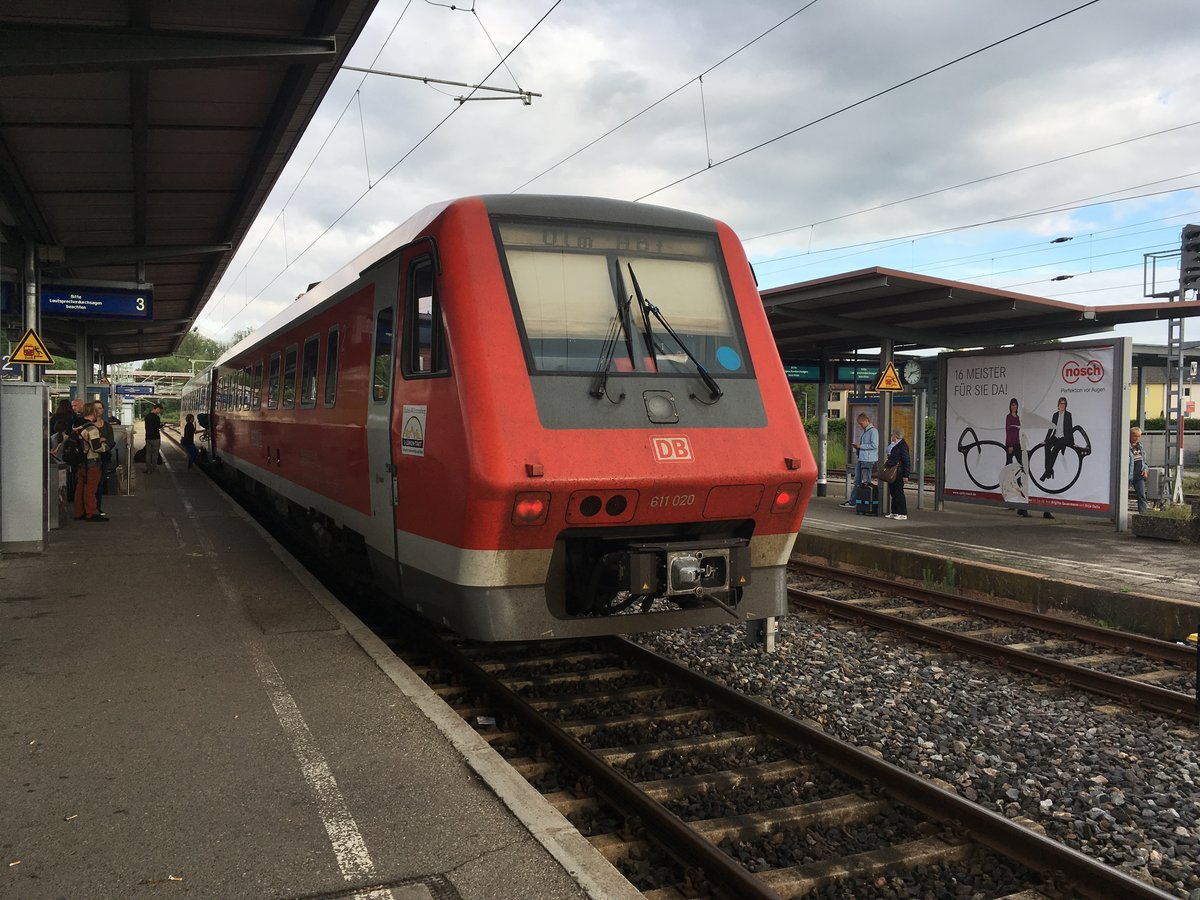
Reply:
x=889, y=473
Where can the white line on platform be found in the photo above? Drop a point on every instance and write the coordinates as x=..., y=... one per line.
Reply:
x=349, y=848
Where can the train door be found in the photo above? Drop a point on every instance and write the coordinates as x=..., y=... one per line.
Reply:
x=381, y=532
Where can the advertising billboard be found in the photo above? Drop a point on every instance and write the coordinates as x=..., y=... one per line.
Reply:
x=1039, y=428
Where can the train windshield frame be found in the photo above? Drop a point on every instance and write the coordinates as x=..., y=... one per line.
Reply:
x=573, y=296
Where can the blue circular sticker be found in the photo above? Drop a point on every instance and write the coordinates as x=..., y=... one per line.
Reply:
x=729, y=358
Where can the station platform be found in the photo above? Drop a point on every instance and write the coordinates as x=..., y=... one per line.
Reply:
x=1069, y=564
x=186, y=710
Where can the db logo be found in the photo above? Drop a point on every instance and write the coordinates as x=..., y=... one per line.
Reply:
x=672, y=449
x=1072, y=371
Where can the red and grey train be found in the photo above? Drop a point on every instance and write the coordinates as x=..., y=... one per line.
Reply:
x=536, y=416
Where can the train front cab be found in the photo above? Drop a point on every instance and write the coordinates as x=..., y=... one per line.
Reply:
x=573, y=472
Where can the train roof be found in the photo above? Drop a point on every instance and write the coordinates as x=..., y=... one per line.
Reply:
x=553, y=206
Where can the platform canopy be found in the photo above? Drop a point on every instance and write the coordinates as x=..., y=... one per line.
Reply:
x=139, y=140
x=842, y=314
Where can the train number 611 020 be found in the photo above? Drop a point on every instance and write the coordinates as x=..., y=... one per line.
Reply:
x=663, y=501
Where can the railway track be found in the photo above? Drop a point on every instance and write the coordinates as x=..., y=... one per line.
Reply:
x=1136, y=670
x=695, y=790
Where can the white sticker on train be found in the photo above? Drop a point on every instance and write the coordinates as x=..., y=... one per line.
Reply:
x=412, y=432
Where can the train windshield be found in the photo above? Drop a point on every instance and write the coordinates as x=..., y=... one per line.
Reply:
x=575, y=294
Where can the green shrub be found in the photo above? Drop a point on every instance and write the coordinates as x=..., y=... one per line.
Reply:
x=1181, y=511
x=1160, y=424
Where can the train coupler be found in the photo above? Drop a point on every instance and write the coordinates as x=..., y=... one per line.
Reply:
x=694, y=569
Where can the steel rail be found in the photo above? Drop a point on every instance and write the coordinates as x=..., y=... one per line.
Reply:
x=1172, y=703
x=1106, y=637
x=668, y=828
x=1086, y=876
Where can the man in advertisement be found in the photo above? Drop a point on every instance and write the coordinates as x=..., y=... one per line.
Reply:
x=1059, y=437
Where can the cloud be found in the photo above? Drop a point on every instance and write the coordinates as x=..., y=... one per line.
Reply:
x=1108, y=73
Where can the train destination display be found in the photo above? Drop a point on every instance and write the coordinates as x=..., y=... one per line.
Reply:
x=75, y=301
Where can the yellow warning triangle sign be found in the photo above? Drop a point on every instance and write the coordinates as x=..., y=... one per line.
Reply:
x=30, y=351
x=889, y=380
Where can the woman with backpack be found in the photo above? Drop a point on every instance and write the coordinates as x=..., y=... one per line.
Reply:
x=87, y=472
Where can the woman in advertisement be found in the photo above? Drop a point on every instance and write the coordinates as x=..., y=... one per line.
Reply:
x=1012, y=432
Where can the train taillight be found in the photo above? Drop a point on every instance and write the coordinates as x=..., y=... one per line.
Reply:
x=531, y=508
x=786, y=497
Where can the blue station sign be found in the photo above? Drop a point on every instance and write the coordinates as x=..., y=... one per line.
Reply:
x=802, y=374
x=846, y=374
x=76, y=302
x=135, y=390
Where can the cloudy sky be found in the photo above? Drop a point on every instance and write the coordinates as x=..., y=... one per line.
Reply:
x=954, y=139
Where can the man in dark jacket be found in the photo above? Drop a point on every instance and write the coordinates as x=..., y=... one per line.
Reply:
x=153, y=437
x=1058, y=437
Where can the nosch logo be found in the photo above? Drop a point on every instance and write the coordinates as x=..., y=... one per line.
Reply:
x=672, y=449
x=1093, y=371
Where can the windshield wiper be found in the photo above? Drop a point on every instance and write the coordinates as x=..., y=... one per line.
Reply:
x=649, y=309
x=599, y=386
x=620, y=322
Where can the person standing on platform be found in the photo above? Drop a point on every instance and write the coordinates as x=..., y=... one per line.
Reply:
x=898, y=456
x=106, y=431
x=75, y=420
x=87, y=475
x=153, y=437
x=60, y=421
x=188, y=442
x=1137, y=469
x=867, y=447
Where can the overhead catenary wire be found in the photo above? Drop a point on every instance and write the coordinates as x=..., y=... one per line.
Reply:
x=1065, y=206
x=709, y=162
x=972, y=182
x=390, y=169
x=664, y=98
x=865, y=100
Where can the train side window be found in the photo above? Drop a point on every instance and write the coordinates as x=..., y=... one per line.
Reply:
x=424, y=337
x=256, y=386
x=308, y=370
x=331, y=365
x=289, y=377
x=273, y=383
x=247, y=381
x=382, y=369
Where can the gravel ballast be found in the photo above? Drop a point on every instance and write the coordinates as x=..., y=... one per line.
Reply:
x=1119, y=786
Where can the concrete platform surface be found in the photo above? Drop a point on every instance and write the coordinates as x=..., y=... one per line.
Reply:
x=185, y=711
x=1069, y=563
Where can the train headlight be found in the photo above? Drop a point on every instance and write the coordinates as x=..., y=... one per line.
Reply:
x=786, y=497
x=531, y=508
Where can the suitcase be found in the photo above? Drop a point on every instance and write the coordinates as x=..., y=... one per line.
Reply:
x=1156, y=483
x=866, y=499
